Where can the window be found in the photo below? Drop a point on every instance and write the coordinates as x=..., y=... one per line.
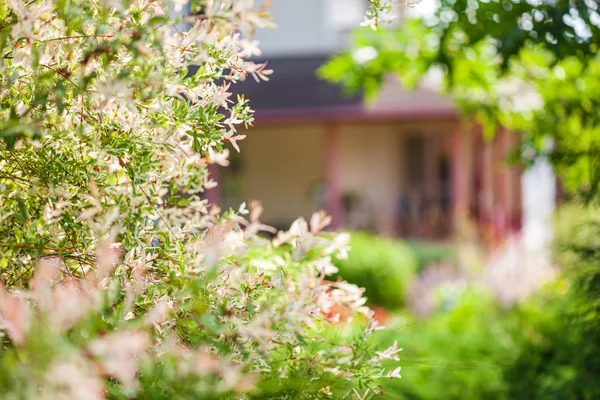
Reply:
x=415, y=153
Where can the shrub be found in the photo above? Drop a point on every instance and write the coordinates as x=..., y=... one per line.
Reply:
x=120, y=280
x=546, y=347
x=561, y=356
x=455, y=353
x=427, y=253
x=384, y=267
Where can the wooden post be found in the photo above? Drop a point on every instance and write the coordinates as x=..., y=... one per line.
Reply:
x=502, y=182
x=460, y=174
x=486, y=193
x=514, y=186
x=332, y=175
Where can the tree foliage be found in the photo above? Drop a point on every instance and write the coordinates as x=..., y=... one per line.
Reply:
x=531, y=66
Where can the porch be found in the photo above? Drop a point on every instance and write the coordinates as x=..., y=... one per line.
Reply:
x=399, y=177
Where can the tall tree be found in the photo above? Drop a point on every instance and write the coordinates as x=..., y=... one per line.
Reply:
x=531, y=66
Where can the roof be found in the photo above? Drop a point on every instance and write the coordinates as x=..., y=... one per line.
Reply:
x=294, y=85
x=295, y=94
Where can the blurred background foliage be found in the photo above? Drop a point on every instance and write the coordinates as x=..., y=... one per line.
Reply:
x=469, y=345
x=531, y=67
x=384, y=266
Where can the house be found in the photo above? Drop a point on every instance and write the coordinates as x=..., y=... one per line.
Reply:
x=407, y=165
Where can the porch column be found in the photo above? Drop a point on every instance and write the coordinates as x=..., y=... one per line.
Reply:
x=332, y=174
x=502, y=184
x=486, y=194
x=461, y=154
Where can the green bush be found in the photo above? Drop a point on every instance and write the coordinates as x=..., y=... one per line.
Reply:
x=457, y=352
x=384, y=267
x=547, y=347
x=561, y=359
x=427, y=253
x=471, y=347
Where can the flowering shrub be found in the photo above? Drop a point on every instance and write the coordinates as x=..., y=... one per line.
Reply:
x=120, y=279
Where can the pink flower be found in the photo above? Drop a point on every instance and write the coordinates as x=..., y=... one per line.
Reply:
x=14, y=317
x=318, y=221
x=72, y=378
x=391, y=353
x=118, y=352
x=28, y=17
x=233, y=140
x=395, y=373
